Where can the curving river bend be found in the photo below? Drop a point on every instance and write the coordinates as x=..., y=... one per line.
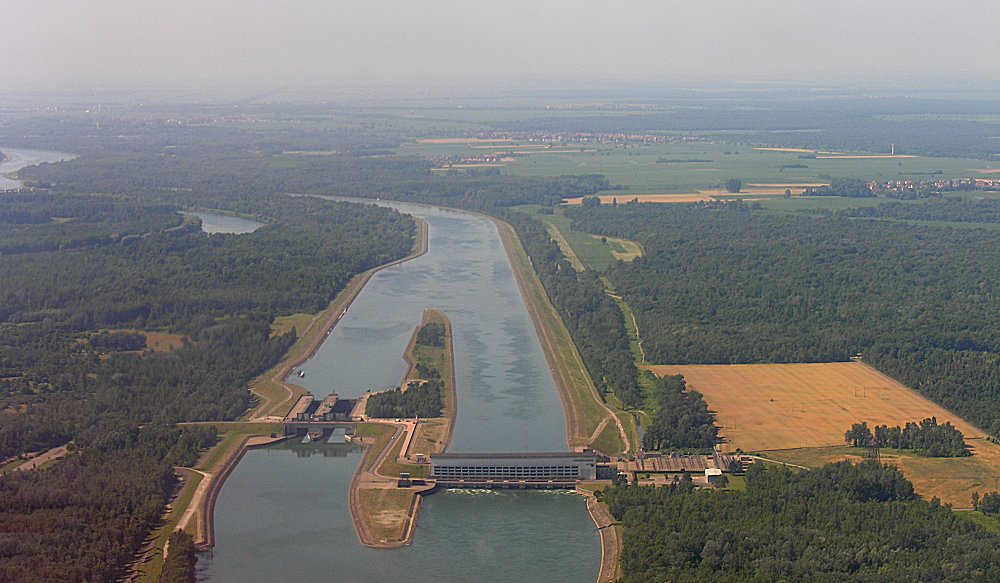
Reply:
x=283, y=513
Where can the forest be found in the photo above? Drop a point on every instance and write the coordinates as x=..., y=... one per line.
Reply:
x=952, y=209
x=721, y=284
x=926, y=438
x=842, y=522
x=84, y=518
x=76, y=268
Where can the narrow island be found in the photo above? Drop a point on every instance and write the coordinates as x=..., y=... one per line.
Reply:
x=405, y=426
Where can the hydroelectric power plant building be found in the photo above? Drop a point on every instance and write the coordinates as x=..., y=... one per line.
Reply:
x=513, y=470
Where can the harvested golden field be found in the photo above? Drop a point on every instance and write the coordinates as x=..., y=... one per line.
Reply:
x=790, y=185
x=448, y=141
x=703, y=195
x=864, y=157
x=667, y=198
x=159, y=341
x=781, y=406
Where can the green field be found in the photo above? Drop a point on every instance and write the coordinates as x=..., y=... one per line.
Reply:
x=636, y=167
x=591, y=251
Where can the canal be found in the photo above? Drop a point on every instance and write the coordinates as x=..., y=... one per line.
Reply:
x=283, y=513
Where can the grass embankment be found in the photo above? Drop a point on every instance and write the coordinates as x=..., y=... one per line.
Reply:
x=386, y=510
x=150, y=570
x=277, y=397
x=193, y=499
x=582, y=402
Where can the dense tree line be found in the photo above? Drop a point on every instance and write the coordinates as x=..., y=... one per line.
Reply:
x=681, y=419
x=952, y=209
x=722, y=284
x=425, y=400
x=106, y=341
x=988, y=504
x=846, y=187
x=837, y=523
x=178, y=567
x=926, y=437
x=420, y=401
x=84, y=518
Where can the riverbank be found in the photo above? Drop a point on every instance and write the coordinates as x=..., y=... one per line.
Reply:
x=384, y=515
x=204, y=525
x=587, y=416
x=277, y=395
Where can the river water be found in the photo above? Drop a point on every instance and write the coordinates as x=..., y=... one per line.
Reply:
x=17, y=158
x=283, y=514
x=214, y=223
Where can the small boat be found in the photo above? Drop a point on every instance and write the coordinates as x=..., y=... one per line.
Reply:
x=302, y=374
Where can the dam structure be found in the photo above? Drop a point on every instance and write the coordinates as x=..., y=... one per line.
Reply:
x=513, y=470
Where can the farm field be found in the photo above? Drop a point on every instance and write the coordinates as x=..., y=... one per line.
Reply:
x=664, y=168
x=763, y=407
x=584, y=250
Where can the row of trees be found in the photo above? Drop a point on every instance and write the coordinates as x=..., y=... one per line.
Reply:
x=988, y=504
x=847, y=187
x=926, y=437
x=842, y=522
x=681, y=418
x=952, y=210
x=421, y=401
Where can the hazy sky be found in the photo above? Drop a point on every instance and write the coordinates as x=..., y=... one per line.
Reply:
x=256, y=44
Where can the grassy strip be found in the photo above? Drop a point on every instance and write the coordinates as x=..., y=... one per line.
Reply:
x=150, y=571
x=609, y=439
x=990, y=523
x=385, y=511
x=589, y=252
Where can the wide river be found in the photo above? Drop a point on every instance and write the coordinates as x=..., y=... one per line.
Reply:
x=283, y=513
x=17, y=158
